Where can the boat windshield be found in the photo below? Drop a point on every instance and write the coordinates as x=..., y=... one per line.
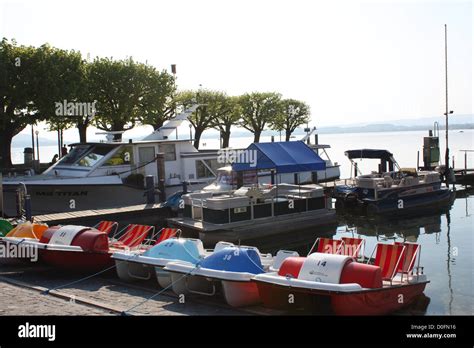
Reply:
x=226, y=178
x=85, y=155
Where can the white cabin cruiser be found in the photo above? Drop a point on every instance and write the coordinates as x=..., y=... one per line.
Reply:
x=97, y=175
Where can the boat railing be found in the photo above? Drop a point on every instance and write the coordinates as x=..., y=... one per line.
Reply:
x=238, y=208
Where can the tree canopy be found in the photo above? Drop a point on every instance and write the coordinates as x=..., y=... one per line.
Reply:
x=258, y=110
x=293, y=113
x=128, y=92
x=32, y=80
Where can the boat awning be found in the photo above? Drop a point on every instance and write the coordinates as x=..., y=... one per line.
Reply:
x=284, y=157
x=369, y=153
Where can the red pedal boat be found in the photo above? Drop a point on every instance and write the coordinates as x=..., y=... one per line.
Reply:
x=335, y=278
x=89, y=249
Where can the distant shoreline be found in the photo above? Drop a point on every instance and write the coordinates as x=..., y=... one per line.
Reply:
x=382, y=128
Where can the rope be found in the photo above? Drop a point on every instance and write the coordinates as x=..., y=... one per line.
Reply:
x=126, y=312
x=140, y=166
x=246, y=254
x=46, y=292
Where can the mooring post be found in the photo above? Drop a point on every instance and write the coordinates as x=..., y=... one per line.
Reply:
x=185, y=187
x=150, y=189
x=160, y=162
x=28, y=208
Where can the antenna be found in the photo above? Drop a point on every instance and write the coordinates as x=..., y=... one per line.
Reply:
x=447, y=113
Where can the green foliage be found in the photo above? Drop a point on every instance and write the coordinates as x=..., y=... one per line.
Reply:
x=214, y=105
x=293, y=113
x=258, y=110
x=225, y=120
x=32, y=80
x=127, y=93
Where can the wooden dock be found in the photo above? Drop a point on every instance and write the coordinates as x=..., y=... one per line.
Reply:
x=152, y=214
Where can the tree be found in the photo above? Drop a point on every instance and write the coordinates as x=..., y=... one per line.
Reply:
x=257, y=110
x=293, y=114
x=126, y=93
x=32, y=80
x=159, y=102
x=228, y=116
x=213, y=105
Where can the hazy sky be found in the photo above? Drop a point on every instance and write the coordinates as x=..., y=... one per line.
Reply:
x=352, y=61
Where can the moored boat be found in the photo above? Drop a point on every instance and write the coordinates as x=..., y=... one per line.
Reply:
x=87, y=249
x=346, y=286
x=392, y=190
x=132, y=265
x=230, y=269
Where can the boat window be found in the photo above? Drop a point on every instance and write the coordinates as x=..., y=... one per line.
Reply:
x=226, y=178
x=94, y=155
x=146, y=154
x=123, y=156
x=74, y=154
x=203, y=171
x=169, y=150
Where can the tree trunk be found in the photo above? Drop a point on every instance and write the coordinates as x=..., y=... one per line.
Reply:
x=225, y=138
x=5, y=148
x=82, y=128
x=197, y=136
x=256, y=136
x=287, y=135
x=118, y=127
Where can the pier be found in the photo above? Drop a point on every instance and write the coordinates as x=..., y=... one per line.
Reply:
x=151, y=214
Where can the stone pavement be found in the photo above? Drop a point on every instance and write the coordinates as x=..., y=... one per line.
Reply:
x=106, y=291
x=15, y=300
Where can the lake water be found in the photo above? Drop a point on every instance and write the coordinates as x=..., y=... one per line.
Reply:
x=446, y=238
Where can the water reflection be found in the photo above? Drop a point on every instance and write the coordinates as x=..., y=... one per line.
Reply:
x=408, y=229
x=448, y=268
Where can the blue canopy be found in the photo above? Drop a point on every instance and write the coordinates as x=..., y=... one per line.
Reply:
x=284, y=157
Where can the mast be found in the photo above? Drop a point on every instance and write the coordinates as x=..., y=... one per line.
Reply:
x=447, y=112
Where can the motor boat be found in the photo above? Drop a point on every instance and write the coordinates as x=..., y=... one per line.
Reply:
x=230, y=269
x=99, y=175
x=377, y=287
x=392, y=190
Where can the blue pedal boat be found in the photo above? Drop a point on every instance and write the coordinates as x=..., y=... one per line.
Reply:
x=230, y=269
x=132, y=266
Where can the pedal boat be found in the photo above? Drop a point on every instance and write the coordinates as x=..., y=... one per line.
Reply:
x=230, y=269
x=87, y=249
x=133, y=265
x=348, y=287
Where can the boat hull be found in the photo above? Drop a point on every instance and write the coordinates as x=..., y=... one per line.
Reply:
x=240, y=294
x=369, y=302
x=132, y=271
x=397, y=204
x=77, y=261
x=52, y=198
x=258, y=228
